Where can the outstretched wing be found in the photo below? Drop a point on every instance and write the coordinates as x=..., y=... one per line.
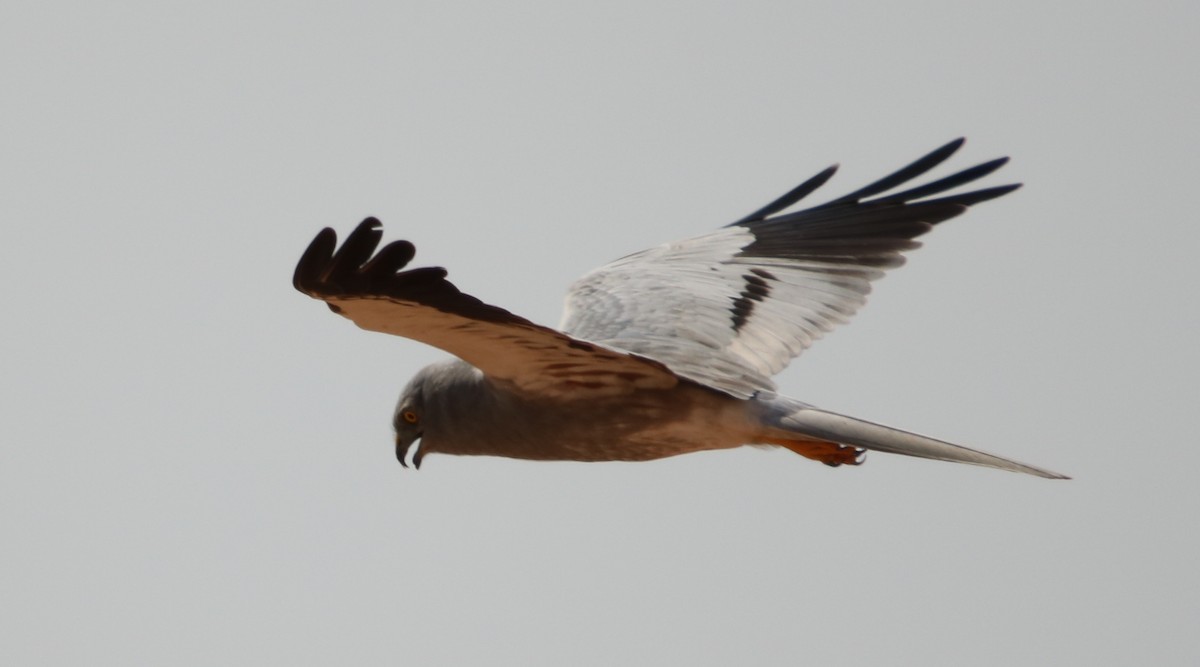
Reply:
x=376, y=294
x=731, y=308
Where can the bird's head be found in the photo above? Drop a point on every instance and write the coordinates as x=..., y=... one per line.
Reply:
x=426, y=406
x=410, y=411
x=439, y=407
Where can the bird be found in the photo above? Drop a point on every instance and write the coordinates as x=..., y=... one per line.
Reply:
x=663, y=352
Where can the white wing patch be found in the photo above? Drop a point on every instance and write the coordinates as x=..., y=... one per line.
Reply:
x=677, y=303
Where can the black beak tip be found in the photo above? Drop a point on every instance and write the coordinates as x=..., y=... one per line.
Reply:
x=402, y=453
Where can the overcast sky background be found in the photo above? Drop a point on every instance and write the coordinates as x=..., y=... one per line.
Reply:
x=197, y=460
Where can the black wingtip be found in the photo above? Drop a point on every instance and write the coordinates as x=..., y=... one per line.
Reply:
x=316, y=256
x=327, y=272
x=943, y=152
x=943, y=184
x=355, y=251
x=390, y=259
x=973, y=198
x=324, y=262
x=904, y=174
x=791, y=196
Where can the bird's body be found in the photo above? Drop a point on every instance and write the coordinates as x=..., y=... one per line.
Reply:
x=663, y=352
x=463, y=412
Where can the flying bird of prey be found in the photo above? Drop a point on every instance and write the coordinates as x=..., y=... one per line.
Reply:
x=663, y=352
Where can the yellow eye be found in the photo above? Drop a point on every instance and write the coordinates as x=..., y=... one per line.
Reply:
x=410, y=416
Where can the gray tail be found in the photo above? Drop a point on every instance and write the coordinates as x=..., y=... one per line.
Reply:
x=831, y=426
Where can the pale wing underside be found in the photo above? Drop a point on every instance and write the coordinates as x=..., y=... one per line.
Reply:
x=678, y=304
x=421, y=304
x=731, y=308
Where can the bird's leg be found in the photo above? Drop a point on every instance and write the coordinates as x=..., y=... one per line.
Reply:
x=829, y=453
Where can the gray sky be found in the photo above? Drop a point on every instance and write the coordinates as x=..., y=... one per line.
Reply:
x=197, y=459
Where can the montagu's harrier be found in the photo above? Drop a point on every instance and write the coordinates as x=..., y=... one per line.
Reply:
x=664, y=352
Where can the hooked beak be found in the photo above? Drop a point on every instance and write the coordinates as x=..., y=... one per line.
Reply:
x=402, y=448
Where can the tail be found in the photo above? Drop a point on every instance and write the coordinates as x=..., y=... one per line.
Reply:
x=798, y=419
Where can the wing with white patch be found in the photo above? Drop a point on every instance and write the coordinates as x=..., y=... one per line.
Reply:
x=376, y=294
x=731, y=308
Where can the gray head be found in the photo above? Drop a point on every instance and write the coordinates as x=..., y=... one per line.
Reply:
x=425, y=408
